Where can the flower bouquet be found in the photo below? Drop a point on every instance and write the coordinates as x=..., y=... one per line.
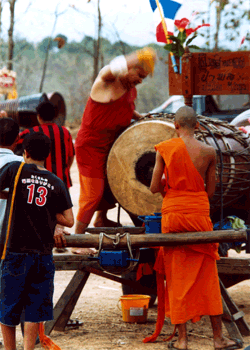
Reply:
x=178, y=43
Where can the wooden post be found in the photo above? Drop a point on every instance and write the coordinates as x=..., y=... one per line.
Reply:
x=155, y=240
x=187, y=79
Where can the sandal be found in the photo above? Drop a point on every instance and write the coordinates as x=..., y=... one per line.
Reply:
x=73, y=324
x=238, y=345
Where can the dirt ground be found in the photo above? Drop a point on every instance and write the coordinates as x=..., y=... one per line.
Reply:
x=102, y=325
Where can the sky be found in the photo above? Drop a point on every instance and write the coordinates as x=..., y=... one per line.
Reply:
x=127, y=20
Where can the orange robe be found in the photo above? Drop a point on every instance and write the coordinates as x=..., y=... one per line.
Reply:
x=192, y=284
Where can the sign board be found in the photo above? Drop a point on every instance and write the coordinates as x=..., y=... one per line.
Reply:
x=7, y=80
x=217, y=73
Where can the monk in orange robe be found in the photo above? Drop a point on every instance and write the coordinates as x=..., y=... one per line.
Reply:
x=192, y=284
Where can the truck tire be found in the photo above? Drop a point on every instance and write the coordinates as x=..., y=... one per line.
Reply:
x=145, y=281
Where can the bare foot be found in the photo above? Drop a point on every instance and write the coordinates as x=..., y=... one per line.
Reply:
x=84, y=251
x=223, y=343
x=105, y=223
x=178, y=344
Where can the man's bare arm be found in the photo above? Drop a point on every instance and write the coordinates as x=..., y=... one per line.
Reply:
x=211, y=175
x=106, y=75
x=156, y=183
x=66, y=218
x=137, y=115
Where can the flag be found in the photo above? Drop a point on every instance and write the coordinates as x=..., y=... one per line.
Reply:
x=242, y=41
x=168, y=10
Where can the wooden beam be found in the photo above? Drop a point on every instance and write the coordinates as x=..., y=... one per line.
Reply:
x=67, y=302
x=154, y=239
x=133, y=284
x=234, y=266
x=234, y=310
x=113, y=230
x=231, y=327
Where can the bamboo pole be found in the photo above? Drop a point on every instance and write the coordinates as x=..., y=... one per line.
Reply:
x=155, y=240
x=164, y=26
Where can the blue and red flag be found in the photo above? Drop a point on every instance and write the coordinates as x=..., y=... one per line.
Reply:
x=168, y=10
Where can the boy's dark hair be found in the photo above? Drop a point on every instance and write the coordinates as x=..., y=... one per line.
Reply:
x=46, y=111
x=37, y=145
x=9, y=130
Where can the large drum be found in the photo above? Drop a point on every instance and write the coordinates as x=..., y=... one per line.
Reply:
x=132, y=158
x=23, y=109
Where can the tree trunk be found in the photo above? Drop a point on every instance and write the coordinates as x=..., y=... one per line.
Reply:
x=97, y=43
x=10, y=34
x=1, y=39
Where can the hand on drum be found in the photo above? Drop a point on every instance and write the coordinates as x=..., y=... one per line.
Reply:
x=148, y=115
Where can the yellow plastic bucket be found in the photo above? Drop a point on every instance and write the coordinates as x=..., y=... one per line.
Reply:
x=135, y=308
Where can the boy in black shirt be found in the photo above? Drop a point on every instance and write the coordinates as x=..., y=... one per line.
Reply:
x=27, y=271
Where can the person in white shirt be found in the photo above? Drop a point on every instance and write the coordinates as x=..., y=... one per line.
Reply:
x=9, y=131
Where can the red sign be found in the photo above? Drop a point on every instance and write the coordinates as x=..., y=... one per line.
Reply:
x=6, y=81
x=221, y=73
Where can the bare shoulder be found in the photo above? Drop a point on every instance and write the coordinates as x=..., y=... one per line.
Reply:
x=105, y=75
x=103, y=80
x=207, y=149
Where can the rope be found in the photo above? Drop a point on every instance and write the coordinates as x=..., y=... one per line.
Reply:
x=116, y=241
x=11, y=209
x=221, y=172
x=45, y=341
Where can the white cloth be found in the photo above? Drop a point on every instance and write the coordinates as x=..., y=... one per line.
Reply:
x=6, y=156
x=118, y=66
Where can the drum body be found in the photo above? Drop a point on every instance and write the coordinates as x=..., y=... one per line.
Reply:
x=23, y=109
x=132, y=157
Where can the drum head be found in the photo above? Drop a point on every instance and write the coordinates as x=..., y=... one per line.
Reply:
x=130, y=165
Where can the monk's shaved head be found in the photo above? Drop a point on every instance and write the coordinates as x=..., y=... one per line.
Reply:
x=186, y=117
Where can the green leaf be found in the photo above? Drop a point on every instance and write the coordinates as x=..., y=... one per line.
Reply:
x=175, y=39
x=181, y=51
x=191, y=39
x=168, y=47
x=194, y=47
x=182, y=36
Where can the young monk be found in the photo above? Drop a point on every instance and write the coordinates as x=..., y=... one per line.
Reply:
x=192, y=284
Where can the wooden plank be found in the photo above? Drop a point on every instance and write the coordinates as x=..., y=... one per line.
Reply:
x=231, y=327
x=133, y=284
x=113, y=230
x=238, y=315
x=154, y=240
x=74, y=265
x=233, y=266
x=221, y=73
x=212, y=73
x=67, y=302
x=241, y=323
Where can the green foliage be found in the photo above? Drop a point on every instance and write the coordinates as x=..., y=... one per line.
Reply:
x=69, y=71
x=23, y=48
x=177, y=45
x=45, y=44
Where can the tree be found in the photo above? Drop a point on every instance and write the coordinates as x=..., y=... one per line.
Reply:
x=10, y=34
x=230, y=17
x=95, y=51
x=49, y=44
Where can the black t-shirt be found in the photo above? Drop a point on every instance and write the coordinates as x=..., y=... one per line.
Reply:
x=40, y=195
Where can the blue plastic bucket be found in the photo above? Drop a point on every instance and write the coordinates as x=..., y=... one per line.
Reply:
x=152, y=223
